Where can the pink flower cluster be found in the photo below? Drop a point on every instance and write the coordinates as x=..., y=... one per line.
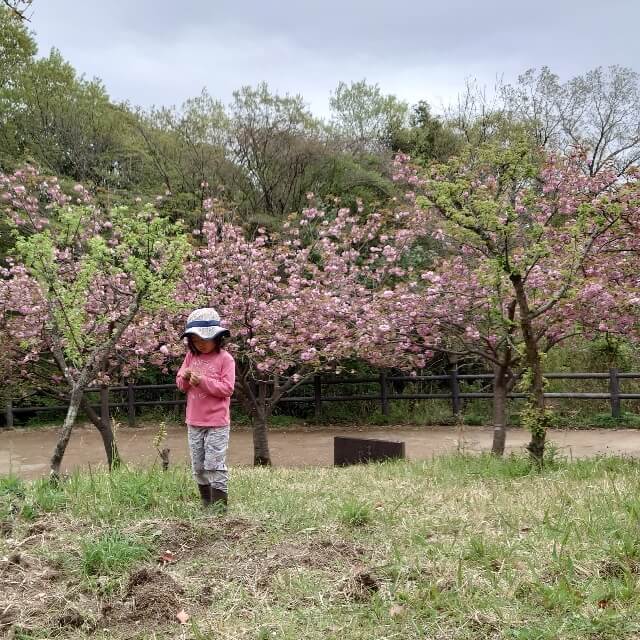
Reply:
x=335, y=285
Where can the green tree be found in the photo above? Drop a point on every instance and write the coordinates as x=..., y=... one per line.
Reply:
x=17, y=50
x=352, y=181
x=598, y=111
x=68, y=125
x=367, y=119
x=427, y=137
x=279, y=148
x=186, y=149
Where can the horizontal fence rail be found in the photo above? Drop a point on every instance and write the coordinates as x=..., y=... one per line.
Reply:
x=384, y=395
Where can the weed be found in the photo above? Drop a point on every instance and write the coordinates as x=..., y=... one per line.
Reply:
x=605, y=420
x=11, y=487
x=111, y=552
x=355, y=513
x=48, y=496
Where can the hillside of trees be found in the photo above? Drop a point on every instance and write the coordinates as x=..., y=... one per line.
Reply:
x=259, y=157
x=262, y=153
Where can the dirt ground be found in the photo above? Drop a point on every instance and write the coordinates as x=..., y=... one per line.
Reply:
x=26, y=452
x=38, y=592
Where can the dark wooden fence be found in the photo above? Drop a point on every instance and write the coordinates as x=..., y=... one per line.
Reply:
x=450, y=383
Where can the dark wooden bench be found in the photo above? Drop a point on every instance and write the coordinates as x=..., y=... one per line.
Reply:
x=357, y=450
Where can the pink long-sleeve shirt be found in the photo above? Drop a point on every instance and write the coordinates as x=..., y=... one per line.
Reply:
x=208, y=403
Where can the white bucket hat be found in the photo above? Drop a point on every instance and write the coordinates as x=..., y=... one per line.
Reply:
x=204, y=323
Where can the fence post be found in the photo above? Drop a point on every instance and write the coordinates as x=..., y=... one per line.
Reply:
x=8, y=415
x=131, y=407
x=456, y=405
x=614, y=391
x=384, y=393
x=104, y=405
x=317, y=396
x=177, y=396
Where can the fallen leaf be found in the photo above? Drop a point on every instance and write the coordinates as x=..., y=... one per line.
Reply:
x=603, y=604
x=167, y=557
x=396, y=610
x=183, y=616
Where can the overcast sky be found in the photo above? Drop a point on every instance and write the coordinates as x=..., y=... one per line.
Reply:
x=161, y=52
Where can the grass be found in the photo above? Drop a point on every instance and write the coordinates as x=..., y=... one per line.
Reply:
x=461, y=547
x=110, y=552
x=354, y=513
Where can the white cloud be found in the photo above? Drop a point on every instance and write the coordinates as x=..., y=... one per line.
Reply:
x=161, y=52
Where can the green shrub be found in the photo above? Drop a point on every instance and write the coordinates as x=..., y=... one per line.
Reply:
x=605, y=421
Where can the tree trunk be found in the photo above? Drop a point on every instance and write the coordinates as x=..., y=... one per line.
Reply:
x=261, y=455
x=538, y=430
x=110, y=446
x=106, y=433
x=65, y=433
x=499, y=410
x=534, y=364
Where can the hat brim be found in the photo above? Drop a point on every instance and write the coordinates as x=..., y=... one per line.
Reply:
x=206, y=333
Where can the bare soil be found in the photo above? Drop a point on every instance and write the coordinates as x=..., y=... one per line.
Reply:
x=26, y=452
x=201, y=559
x=152, y=594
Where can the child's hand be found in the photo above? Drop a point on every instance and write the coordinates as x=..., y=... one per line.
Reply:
x=194, y=380
x=187, y=374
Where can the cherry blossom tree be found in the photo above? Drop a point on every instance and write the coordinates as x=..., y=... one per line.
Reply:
x=78, y=280
x=452, y=310
x=294, y=301
x=609, y=302
x=525, y=226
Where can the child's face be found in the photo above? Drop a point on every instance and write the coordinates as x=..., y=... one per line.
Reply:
x=202, y=345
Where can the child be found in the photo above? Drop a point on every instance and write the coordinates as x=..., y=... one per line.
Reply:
x=207, y=376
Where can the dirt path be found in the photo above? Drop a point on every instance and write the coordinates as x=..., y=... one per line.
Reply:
x=26, y=452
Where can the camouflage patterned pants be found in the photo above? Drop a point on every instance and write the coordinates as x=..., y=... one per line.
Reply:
x=208, y=449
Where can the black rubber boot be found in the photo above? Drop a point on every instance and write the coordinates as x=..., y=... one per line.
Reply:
x=205, y=494
x=219, y=500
